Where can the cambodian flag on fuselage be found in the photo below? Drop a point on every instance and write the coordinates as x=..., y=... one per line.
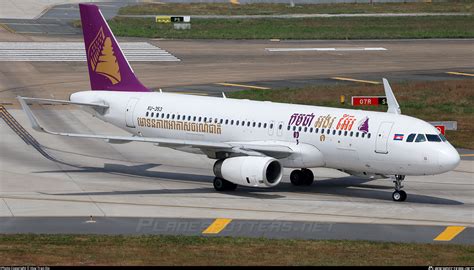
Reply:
x=398, y=137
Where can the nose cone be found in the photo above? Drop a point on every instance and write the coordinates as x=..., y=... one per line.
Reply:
x=448, y=158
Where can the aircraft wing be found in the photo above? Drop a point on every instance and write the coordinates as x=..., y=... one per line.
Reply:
x=45, y=100
x=245, y=148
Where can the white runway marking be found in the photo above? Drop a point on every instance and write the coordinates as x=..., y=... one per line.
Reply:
x=74, y=51
x=323, y=49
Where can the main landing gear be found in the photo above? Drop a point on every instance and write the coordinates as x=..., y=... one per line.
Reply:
x=399, y=195
x=303, y=177
x=223, y=185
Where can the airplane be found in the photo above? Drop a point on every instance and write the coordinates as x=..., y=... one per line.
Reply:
x=252, y=141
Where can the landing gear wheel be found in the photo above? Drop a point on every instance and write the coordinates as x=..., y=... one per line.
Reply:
x=297, y=177
x=399, y=196
x=223, y=185
x=308, y=177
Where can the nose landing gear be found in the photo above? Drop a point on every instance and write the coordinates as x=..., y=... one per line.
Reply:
x=399, y=195
x=303, y=177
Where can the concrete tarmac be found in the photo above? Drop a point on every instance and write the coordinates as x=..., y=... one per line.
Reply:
x=71, y=179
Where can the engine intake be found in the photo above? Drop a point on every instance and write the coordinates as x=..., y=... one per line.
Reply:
x=250, y=171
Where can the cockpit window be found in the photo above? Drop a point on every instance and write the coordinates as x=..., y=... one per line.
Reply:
x=442, y=137
x=411, y=137
x=433, y=138
x=420, y=138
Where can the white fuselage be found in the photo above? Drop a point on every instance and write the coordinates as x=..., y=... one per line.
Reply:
x=356, y=141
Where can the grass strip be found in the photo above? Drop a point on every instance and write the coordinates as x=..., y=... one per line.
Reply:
x=302, y=28
x=28, y=249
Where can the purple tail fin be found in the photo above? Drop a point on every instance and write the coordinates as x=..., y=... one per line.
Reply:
x=108, y=67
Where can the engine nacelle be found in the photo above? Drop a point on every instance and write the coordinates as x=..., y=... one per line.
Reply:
x=250, y=171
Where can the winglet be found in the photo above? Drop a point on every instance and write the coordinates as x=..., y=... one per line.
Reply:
x=34, y=122
x=393, y=106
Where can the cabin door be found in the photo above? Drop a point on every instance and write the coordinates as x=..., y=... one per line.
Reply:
x=381, y=140
x=129, y=112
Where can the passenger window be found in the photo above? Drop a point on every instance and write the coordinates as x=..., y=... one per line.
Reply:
x=363, y=135
x=146, y=114
x=433, y=138
x=221, y=121
x=205, y=119
x=259, y=124
x=194, y=118
x=368, y=136
x=322, y=131
x=177, y=118
x=237, y=122
x=200, y=118
x=280, y=126
x=305, y=129
x=333, y=132
x=340, y=132
x=288, y=128
x=299, y=129
x=345, y=133
x=253, y=125
x=172, y=117
x=316, y=130
x=328, y=131
x=411, y=137
x=248, y=123
x=271, y=126
x=294, y=128
x=264, y=125
x=227, y=121
x=232, y=122
x=311, y=130
x=352, y=133
x=420, y=138
x=168, y=116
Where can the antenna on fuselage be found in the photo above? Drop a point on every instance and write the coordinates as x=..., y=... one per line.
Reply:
x=223, y=95
x=392, y=103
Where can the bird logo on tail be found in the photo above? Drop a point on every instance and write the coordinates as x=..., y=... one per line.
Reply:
x=102, y=58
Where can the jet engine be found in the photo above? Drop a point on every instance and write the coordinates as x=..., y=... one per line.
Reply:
x=251, y=171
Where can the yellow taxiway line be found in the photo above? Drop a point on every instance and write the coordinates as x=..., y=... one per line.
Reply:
x=449, y=233
x=217, y=226
x=460, y=73
x=244, y=85
x=354, y=80
x=467, y=155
